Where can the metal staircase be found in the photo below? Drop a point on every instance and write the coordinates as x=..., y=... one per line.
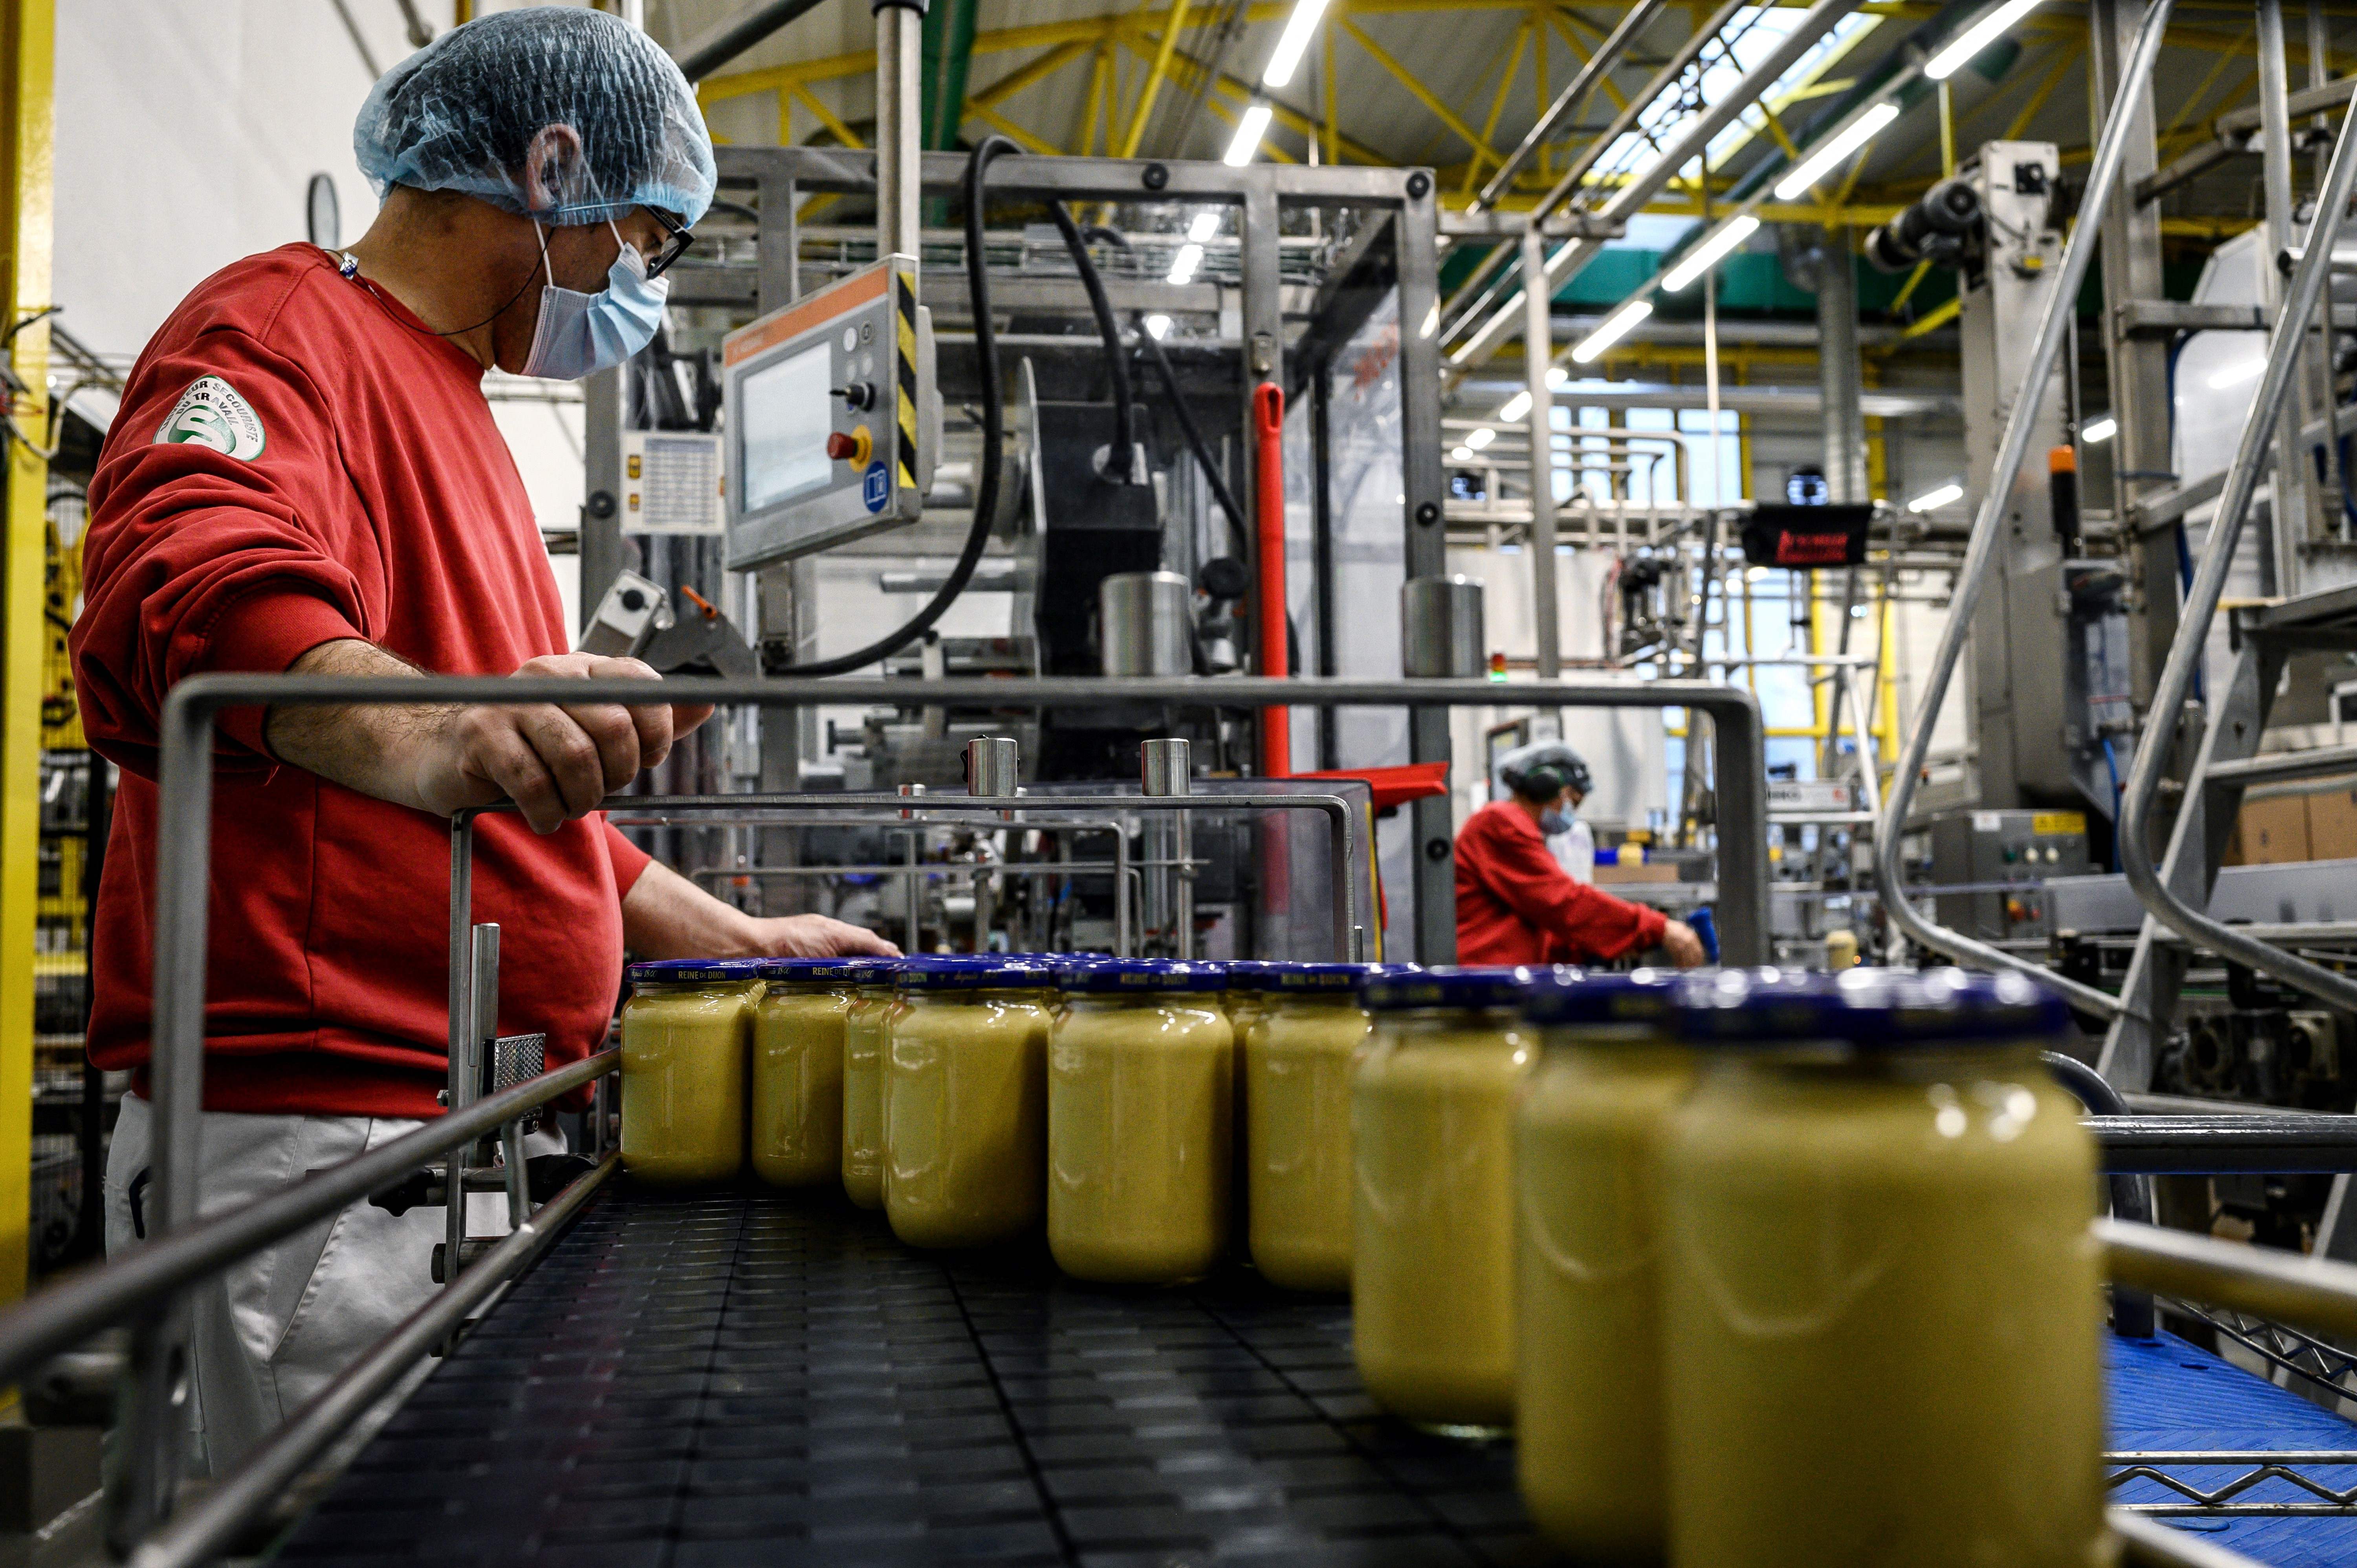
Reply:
x=2227, y=763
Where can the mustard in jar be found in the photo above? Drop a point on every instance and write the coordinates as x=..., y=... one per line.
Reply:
x=686, y=1030
x=865, y=1023
x=1588, y=1307
x=796, y=1123
x=1882, y=1336
x=1140, y=1102
x=1432, y=1276
x=1296, y=1070
x=965, y=1099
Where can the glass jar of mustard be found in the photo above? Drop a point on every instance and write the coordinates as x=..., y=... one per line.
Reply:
x=1432, y=1113
x=965, y=1099
x=795, y=1126
x=864, y=1023
x=1296, y=1070
x=1140, y=1107
x=1588, y=1306
x=686, y=1031
x=1882, y=1336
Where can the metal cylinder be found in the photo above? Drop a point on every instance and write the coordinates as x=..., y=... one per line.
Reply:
x=1440, y=628
x=1164, y=767
x=1143, y=621
x=992, y=765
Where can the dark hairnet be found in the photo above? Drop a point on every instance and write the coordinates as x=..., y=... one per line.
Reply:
x=462, y=113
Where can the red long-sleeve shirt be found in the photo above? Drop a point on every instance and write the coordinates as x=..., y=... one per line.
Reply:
x=1516, y=905
x=298, y=460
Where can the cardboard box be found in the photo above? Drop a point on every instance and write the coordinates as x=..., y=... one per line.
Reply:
x=2272, y=830
x=1651, y=871
x=2333, y=823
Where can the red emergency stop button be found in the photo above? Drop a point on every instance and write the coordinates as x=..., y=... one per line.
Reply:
x=840, y=446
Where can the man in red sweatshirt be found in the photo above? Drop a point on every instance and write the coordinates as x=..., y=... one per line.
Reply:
x=1515, y=904
x=306, y=477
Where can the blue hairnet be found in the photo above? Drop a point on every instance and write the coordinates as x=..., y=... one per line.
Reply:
x=462, y=113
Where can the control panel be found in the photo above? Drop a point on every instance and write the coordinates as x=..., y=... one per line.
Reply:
x=1991, y=868
x=831, y=417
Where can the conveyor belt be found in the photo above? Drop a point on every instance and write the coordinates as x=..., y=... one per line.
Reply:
x=700, y=1382
x=742, y=1379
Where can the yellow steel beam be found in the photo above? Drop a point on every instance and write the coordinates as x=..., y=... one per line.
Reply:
x=1474, y=165
x=1562, y=20
x=1085, y=137
x=1028, y=140
x=1187, y=71
x=825, y=115
x=28, y=59
x=1417, y=90
x=1907, y=290
x=1931, y=320
x=1022, y=77
x=1171, y=23
x=2044, y=90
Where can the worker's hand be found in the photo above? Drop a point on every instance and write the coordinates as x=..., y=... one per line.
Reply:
x=558, y=763
x=1684, y=948
x=817, y=936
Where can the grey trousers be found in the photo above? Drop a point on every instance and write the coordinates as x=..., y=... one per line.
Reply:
x=277, y=1325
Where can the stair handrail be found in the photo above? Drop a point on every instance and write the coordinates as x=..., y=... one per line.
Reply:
x=1980, y=552
x=2285, y=339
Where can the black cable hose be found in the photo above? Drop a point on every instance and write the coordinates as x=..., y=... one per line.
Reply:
x=1194, y=433
x=994, y=435
x=1124, y=418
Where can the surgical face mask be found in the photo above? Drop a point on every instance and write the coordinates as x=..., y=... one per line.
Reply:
x=1555, y=820
x=581, y=333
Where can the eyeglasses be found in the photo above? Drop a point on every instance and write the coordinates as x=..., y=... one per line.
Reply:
x=679, y=238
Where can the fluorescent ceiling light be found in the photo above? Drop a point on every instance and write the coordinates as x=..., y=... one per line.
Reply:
x=1431, y=321
x=2099, y=429
x=1515, y=407
x=1249, y=131
x=1205, y=225
x=1292, y=42
x=1481, y=438
x=2235, y=375
x=1462, y=454
x=1557, y=378
x=1705, y=256
x=1183, y=265
x=1931, y=500
x=1615, y=327
x=1818, y=164
x=1976, y=39
x=1159, y=326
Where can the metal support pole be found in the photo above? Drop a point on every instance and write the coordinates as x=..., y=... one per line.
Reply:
x=2289, y=511
x=1840, y=381
x=601, y=547
x=916, y=897
x=899, y=126
x=1431, y=822
x=2138, y=365
x=1165, y=770
x=1538, y=356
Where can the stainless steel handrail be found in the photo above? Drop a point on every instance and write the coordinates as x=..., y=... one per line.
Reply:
x=2310, y=1294
x=2284, y=345
x=212, y=1525
x=2147, y=1543
x=2077, y=252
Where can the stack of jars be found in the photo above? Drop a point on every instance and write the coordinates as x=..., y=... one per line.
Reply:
x=1762, y=1269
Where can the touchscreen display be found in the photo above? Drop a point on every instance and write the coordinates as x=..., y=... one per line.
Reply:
x=785, y=414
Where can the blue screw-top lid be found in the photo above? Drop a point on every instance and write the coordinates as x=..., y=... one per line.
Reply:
x=1469, y=988
x=697, y=971
x=823, y=971
x=975, y=972
x=1565, y=995
x=1874, y=1009
x=1251, y=974
x=1328, y=979
x=1138, y=976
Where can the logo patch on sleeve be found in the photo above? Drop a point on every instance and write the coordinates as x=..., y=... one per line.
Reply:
x=210, y=414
